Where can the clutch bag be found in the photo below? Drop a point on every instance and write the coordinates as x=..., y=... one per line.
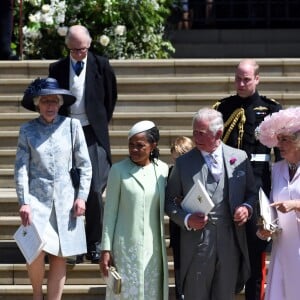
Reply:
x=113, y=280
x=75, y=177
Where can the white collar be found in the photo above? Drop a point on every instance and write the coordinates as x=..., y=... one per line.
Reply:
x=218, y=152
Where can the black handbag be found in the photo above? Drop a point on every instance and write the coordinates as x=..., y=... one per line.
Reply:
x=74, y=172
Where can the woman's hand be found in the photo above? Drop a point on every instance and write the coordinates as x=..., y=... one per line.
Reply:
x=105, y=262
x=25, y=214
x=287, y=205
x=79, y=207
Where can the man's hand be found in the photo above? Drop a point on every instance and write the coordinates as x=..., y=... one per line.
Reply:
x=197, y=221
x=241, y=215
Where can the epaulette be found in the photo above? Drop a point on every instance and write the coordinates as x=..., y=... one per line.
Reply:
x=273, y=101
x=216, y=105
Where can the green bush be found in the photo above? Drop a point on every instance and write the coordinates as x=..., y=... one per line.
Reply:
x=121, y=29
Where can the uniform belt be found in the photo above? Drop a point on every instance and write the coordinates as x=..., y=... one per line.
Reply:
x=260, y=157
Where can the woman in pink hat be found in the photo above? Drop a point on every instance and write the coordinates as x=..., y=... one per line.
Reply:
x=282, y=129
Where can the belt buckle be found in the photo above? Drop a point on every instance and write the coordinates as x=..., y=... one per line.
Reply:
x=212, y=218
x=260, y=157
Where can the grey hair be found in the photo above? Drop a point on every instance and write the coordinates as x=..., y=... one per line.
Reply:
x=214, y=118
x=75, y=30
x=296, y=138
x=36, y=100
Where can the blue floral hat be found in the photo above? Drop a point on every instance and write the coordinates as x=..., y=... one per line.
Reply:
x=42, y=87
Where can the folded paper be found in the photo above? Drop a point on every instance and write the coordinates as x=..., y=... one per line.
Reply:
x=29, y=242
x=197, y=199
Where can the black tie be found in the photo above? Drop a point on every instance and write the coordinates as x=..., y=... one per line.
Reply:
x=78, y=67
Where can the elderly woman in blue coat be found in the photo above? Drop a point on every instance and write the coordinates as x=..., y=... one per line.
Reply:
x=44, y=188
x=133, y=224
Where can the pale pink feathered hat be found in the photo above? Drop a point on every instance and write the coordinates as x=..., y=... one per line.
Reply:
x=286, y=121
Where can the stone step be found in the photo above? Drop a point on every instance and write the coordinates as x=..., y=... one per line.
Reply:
x=83, y=274
x=7, y=170
x=72, y=292
x=8, y=202
x=176, y=102
x=120, y=120
x=9, y=225
x=83, y=281
x=118, y=141
x=141, y=102
x=164, y=67
x=171, y=84
x=7, y=157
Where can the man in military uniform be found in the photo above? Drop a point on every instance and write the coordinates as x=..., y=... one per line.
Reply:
x=242, y=113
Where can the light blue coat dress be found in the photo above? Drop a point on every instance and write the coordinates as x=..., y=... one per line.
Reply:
x=133, y=229
x=42, y=165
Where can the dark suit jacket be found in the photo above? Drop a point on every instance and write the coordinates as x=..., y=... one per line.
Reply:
x=100, y=93
x=241, y=189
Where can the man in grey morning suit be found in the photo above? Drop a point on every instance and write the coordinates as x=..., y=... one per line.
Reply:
x=214, y=255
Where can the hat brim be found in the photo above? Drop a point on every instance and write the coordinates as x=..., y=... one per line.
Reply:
x=68, y=98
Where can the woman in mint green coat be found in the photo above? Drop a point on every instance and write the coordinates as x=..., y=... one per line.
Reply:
x=133, y=224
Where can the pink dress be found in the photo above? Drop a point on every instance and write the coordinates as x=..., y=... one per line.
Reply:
x=283, y=281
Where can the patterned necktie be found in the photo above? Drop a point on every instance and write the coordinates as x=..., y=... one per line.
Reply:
x=78, y=67
x=215, y=166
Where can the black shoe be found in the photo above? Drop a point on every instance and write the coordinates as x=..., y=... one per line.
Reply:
x=79, y=259
x=93, y=256
x=74, y=260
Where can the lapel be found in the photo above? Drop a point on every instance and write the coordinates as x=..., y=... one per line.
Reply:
x=286, y=173
x=229, y=159
x=203, y=172
x=138, y=175
x=90, y=76
x=65, y=74
x=296, y=174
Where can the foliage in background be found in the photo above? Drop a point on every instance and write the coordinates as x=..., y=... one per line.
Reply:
x=121, y=29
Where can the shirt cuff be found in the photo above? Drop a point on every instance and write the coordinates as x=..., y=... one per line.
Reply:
x=186, y=222
x=250, y=209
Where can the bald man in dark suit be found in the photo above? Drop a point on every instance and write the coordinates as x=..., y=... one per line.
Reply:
x=92, y=80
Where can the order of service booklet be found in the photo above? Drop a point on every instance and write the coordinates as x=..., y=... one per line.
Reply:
x=268, y=213
x=29, y=241
x=197, y=199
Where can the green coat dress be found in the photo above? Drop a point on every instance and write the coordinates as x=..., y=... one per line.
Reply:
x=133, y=229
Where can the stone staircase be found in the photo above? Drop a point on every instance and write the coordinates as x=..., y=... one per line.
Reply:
x=165, y=91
